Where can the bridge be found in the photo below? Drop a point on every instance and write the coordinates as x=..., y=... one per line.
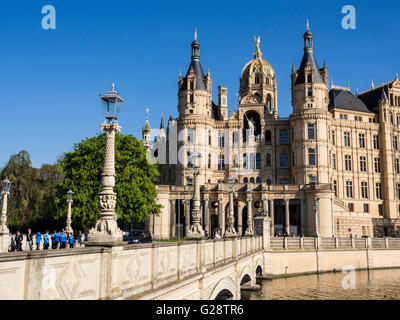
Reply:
x=206, y=269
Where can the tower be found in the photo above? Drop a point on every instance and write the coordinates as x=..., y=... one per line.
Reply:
x=309, y=127
x=194, y=90
x=146, y=132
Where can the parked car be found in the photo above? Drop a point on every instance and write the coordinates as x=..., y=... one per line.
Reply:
x=138, y=236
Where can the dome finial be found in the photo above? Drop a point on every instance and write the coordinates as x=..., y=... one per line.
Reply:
x=112, y=86
x=258, y=53
x=195, y=34
x=308, y=25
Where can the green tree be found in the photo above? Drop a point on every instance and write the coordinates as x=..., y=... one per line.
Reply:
x=135, y=178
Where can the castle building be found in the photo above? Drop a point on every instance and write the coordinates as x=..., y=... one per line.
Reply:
x=331, y=168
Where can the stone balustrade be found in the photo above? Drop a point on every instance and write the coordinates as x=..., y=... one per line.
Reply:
x=117, y=272
x=308, y=243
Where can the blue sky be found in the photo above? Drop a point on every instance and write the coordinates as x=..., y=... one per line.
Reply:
x=50, y=79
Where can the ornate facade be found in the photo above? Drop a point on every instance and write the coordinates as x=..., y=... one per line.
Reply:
x=331, y=168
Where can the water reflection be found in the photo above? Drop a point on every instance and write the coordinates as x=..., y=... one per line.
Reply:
x=369, y=285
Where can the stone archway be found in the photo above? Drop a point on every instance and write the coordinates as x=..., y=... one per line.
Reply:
x=222, y=287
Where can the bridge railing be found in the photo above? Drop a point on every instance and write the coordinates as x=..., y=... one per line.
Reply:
x=310, y=243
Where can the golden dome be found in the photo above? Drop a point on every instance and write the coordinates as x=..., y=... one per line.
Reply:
x=258, y=65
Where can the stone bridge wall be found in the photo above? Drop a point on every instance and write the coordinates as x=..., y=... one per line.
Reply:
x=138, y=271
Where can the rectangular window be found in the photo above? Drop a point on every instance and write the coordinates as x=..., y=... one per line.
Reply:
x=378, y=190
x=309, y=92
x=398, y=191
x=335, y=187
x=397, y=166
x=366, y=207
x=191, y=98
x=364, y=190
x=376, y=142
x=309, y=78
x=361, y=140
x=380, y=209
x=283, y=137
x=395, y=143
x=333, y=136
x=334, y=161
x=245, y=162
x=363, y=164
x=377, y=165
x=284, y=161
x=221, y=139
x=312, y=179
x=311, y=157
x=351, y=207
x=346, y=139
x=347, y=162
x=349, y=189
x=221, y=162
x=190, y=136
x=284, y=181
x=209, y=161
x=189, y=181
x=311, y=131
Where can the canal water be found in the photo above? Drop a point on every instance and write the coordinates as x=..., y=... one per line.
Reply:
x=357, y=285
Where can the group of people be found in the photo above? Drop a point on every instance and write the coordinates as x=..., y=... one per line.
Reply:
x=285, y=234
x=57, y=240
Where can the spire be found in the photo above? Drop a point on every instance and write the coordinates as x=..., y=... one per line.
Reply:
x=195, y=47
x=397, y=76
x=146, y=128
x=293, y=68
x=372, y=84
x=308, y=42
x=162, y=121
x=324, y=64
x=348, y=85
x=384, y=97
x=258, y=53
x=357, y=91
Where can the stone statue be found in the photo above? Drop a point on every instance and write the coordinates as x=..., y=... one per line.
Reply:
x=251, y=125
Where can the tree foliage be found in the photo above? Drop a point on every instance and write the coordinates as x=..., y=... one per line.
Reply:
x=135, y=178
x=39, y=196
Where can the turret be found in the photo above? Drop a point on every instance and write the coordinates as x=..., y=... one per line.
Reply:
x=146, y=131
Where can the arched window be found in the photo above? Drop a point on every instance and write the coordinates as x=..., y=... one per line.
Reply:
x=268, y=160
x=245, y=163
x=269, y=102
x=258, y=161
x=245, y=180
x=267, y=80
x=251, y=180
x=257, y=80
x=268, y=137
x=258, y=180
x=209, y=137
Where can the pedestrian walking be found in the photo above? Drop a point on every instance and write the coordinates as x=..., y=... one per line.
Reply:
x=80, y=236
x=71, y=240
x=29, y=240
x=13, y=246
x=55, y=239
x=63, y=239
x=38, y=240
x=86, y=235
x=46, y=240
x=18, y=241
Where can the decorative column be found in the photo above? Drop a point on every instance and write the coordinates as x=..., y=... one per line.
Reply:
x=221, y=214
x=68, y=228
x=302, y=215
x=206, y=221
x=272, y=216
x=173, y=217
x=106, y=231
x=196, y=230
x=5, y=192
x=287, y=217
x=187, y=215
x=230, y=228
x=249, y=231
x=316, y=211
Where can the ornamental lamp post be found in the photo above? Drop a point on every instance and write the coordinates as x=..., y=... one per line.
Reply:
x=5, y=192
x=70, y=194
x=230, y=229
x=196, y=231
x=106, y=231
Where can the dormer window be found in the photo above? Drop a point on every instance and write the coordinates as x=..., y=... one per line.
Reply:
x=309, y=92
x=309, y=78
x=191, y=85
x=257, y=80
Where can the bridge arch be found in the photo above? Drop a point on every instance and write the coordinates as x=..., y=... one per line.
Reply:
x=223, y=288
x=247, y=275
x=258, y=268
